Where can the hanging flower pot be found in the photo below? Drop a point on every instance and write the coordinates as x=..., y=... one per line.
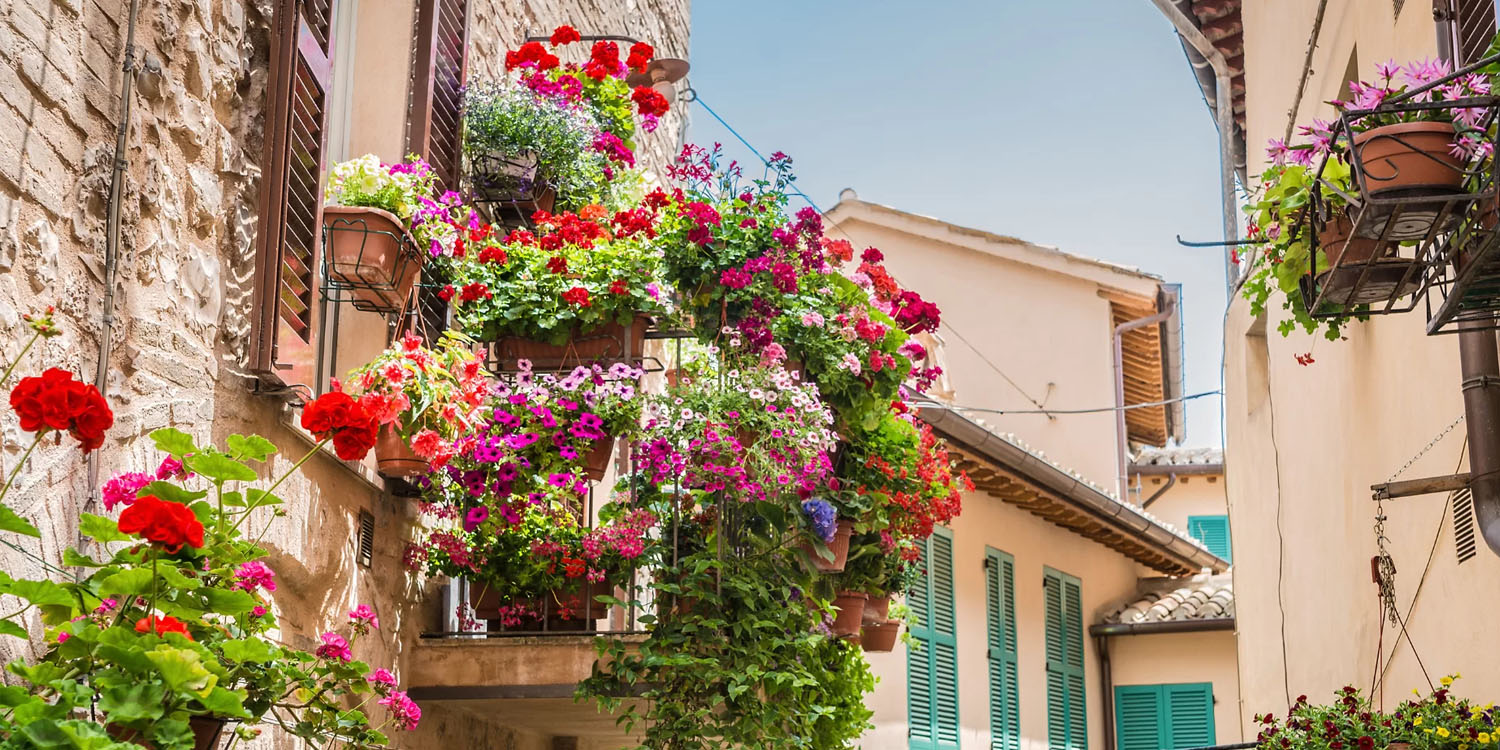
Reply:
x=512, y=180
x=596, y=462
x=850, y=608
x=207, y=730
x=369, y=252
x=877, y=609
x=394, y=456
x=605, y=343
x=1409, y=159
x=839, y=546
x=880, y=637
x=1337, y=244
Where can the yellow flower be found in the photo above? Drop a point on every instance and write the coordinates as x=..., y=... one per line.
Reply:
x=1418, y=722
x=1484, y=738
x=1429, y=731
x=1446, y=681
x=1443, y=732
x=1463, y=746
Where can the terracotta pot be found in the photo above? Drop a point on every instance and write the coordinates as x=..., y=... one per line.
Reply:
x=839, y=546
x=880, y=637
x=1398, y=746
x=877, y=609
x=596, y=462
x=370, y=250
x=1409, y=155
x=395, y=457
x=206, y=730
x=1340, y=248
x=575, y=597
x=603, y=343
x=850, y=606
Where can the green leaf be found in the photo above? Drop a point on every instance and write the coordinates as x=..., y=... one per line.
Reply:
x=233, y=499
x=253, y=447
x=182, y=669
x=13, y=522
x=126, y=582
x=228, y=602
x=175, y=578
x=223, y=702
x=249, y=650
x=260, y=498
x=100, y=529
x=41, y=593
x=75, y=559
x=173, y=493
x=220, y=468
x=174, y=441
x=9, y=628
x=135, y=702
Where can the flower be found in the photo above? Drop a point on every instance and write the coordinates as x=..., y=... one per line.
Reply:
x=650, y=102
x=162, y=625
x=162, y=522
x=55, y=401
x=564, y=34
x=122, y=489
x=363, y=618
x=476, y=516
x=171, y=468
x=382, y=680
x=640, y=55
x=403, y=710
x=577, y=296
x=822, y=518
x=254, y=575
x=338, y=416
x=335, y=647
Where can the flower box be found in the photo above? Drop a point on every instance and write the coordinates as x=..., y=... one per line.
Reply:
x=606, y=343
x=511, y=180
x=370, y=253
x=207, y=731
x=579, y=599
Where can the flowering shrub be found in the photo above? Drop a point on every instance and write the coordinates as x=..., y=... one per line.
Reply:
x=430, y=397
x=576, y=273
x=510, y=123
x=409, y=190
x=1438, y=720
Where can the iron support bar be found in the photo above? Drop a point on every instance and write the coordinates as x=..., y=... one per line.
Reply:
x=1423, y=486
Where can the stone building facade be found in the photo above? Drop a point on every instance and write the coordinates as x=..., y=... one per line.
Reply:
x=182, y=317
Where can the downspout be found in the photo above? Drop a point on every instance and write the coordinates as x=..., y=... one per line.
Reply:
x=1223, y=117
x=112, y=227
x=1107, y=682
x=1120, y=331
x=1171, y=480
x=1479, y=366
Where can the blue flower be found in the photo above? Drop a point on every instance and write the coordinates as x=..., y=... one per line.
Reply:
x=822, y=518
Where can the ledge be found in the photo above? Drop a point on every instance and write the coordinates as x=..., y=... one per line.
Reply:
x=464, y=669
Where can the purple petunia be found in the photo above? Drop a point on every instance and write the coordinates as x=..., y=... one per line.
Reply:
x=822, y=518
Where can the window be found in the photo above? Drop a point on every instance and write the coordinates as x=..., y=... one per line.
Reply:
x=1067, y=721
x=1164, y=717
x=932, y=665
x=434, y=117
x=1473, y=29
x=1213, y=531
x=285, y=320
x=1005, y=696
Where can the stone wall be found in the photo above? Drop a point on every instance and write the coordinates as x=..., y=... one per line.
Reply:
x=184, y=278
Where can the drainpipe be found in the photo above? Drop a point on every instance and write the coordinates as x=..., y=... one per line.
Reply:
x=1120, y=330
x=1171, y=480
x=1107, y=681
x=1223, y=116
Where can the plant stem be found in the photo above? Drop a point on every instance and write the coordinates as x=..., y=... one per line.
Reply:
x=252, y=506
x=13, y=472
x=20, y=356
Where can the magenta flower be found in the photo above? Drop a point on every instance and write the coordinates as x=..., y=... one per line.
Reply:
x=122, y=489
x=382, y=680
x=254, y=575
x=403, y=711
x=335, y=647
x=362, y=618
x=476, y=516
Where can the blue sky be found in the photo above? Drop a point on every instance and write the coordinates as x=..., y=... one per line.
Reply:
x=1074, y=124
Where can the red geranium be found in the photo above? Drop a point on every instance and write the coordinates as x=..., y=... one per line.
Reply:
x=649, y=101
x=604, y=61
x=618, y=286
x=577, y=296
x=640, y=56
x=531, y=54
x=162, y=522
x=565, y=35
x=162, y=625
x=55, y=401
x=335, y=415
x=557, y=264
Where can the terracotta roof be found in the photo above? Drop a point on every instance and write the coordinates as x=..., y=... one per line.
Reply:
x=1201, y=598
x=1219, y=20
x=1179, y=456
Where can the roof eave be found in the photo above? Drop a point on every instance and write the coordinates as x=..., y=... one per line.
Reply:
x=1162, y=626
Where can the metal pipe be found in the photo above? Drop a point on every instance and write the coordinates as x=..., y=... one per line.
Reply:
x=1107, y=682
x=1214, y=469
x=1122, y=449
x=112, y=226
x=1223, y=117
x=1171, y=480
x=1480, y=366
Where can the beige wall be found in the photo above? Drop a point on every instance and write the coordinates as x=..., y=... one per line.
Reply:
x=185, y=270
x=1192, y=495
x=1305, y=443
x=1185, y=658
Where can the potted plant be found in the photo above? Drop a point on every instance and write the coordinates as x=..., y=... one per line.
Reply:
x=368, y=226
x=1436, y=720
x=424, y=400
x=581, y=288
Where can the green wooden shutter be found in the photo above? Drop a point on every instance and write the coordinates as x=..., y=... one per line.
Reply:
x=1213, y=531
x=1067, y=720
x=1005, y=699
x=1138, y=717
x=1164, y=717
x=932, y=671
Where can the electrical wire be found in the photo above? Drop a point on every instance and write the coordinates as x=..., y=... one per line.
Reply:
x=1127, y=407
x=1286, y=681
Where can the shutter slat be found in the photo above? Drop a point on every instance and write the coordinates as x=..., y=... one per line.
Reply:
x=1213, y=531
x=1067, y=722
x=1138, y=717
x=1005, y=731
x=1190, y=715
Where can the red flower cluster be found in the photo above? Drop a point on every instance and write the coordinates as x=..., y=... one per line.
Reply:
x=531, y=55
x=604, y=61
x=557, y=264
x=915, y=314
x=475, y=291
x=566, y=228
x=640, y=56
x=164, y=523
x=162, y=625
x=336, y=415
x=619, y=287
x=577, y=296
x=639, y=220
x=649, y=101
x=55, y=401
x=564, y=35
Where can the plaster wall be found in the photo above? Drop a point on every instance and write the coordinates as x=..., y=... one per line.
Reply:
x=1304, y=444
x=186, y=268
x=1192, y=495
x=1175, y=658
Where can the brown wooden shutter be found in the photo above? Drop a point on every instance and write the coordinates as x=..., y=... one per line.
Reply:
x=289, y=232
x=1473, y=30
x=434, y=117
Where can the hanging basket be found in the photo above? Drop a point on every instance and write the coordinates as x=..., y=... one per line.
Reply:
x=1408, y=160
x=512, y=185
x=839, y=547
x=394, y=456
x=850, y=608
x=604, y=344
x=880, y=637
x=877, y=609
x=596, y=461
x=369, y=253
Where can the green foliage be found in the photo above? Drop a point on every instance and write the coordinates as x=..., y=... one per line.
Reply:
x=511, y=123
